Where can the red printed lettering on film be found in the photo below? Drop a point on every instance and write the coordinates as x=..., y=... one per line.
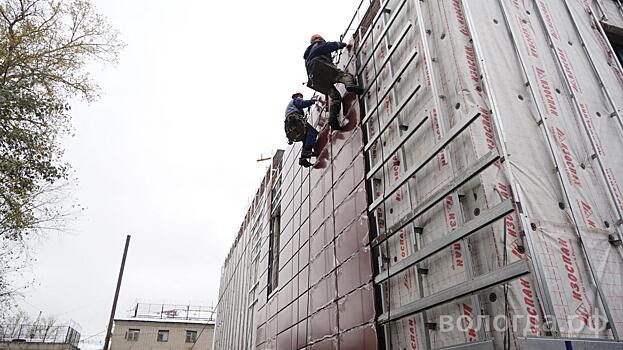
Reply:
x=587, y=214
x=427, y=73
x=529, y=301
x=460, y=17
x=529, y=39
x=509, y=222
x=504, y=190
x=450, y=213
x=511, y=229
x=550, y=103
x=372, y=128
x=396, y=166
x=584, y=314
x=572, y=171
x=403, y=244
x=405, y=281
x=396, y=175
x=549, y=20
x=515, y=248
x=452, y=222
x=388, y=104
x=457, y=254
x=468, y=312
x=436, y=126
x=488, y=129
x=380, y=214
x=373, y=152
x=412, y=335
x=470, y=55
x=577, y=291
x=569, y=70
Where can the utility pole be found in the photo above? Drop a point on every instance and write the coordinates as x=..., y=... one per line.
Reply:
x=114, y=302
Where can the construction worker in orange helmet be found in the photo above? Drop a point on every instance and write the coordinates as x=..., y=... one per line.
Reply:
x=319, y=53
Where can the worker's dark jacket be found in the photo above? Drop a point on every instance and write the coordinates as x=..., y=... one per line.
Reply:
x=297, y=106
x=320, y=51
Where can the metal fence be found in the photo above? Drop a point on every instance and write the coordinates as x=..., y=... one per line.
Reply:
x=39, y=333
x=170, y=311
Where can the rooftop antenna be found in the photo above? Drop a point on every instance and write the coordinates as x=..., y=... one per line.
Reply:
x=262, y=158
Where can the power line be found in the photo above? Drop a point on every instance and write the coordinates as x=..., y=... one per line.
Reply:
x=92, y=336
x=199, y=336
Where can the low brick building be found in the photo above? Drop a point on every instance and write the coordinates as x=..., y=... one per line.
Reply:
x=155, y=327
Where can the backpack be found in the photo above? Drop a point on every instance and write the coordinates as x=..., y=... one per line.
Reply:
x=295, y=126
x=322, y=78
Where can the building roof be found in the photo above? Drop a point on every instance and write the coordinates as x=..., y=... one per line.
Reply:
x=163, y=320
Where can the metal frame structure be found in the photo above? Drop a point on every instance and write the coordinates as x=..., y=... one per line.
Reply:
x=395, y=43
x=452, y=188
x=172, y=311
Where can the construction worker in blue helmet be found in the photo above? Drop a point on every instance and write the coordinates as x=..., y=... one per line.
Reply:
x=298, y=129
x=323, y=74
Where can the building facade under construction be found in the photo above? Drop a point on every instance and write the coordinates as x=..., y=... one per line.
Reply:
x=472, y=201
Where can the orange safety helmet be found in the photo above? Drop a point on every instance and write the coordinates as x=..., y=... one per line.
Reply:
x=316, y=38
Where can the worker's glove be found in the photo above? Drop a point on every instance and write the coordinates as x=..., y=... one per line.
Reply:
x=343, y=45
x=290, y=142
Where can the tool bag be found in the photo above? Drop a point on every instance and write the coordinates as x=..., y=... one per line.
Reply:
x=295, y=126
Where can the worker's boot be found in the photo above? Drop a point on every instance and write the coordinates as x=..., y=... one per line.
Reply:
x=355, y=89
x=305, y=162
x=350, y=82
x=334, y=108
x=335, y=124
x=310, y=152
x=306, y=153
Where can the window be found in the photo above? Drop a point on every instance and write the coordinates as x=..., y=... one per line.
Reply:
x=132, y=334
x=163, y=335
x=191, y=336
x=273, y=250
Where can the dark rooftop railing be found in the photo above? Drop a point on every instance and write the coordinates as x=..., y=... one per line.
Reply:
x=39, y=333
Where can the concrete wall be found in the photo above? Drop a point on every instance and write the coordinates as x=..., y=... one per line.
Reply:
x=148, y=335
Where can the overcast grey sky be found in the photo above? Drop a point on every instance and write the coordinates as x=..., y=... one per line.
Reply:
x=168, y=154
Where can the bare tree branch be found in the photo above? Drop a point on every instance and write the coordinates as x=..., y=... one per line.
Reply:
x=45, y=48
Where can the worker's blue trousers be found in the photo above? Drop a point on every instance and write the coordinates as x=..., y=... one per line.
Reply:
x=309, y=141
